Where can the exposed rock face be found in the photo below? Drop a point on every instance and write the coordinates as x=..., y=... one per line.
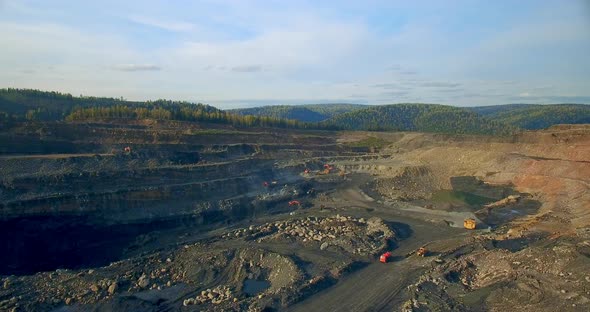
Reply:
x=163, y=218
x=406, y=183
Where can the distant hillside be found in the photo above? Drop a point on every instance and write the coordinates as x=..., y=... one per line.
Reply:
x=305, y=113
x=43, y=105
x=18, y=105
x=535, y=116
x=419, y=117
x=24, y=104
x=495, y=109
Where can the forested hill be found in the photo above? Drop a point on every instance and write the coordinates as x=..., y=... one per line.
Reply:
x=23, y=104
x=42, y=105
x=306, y=113
x=491, y=110
x=18, y=105
x=431, y=117
x=533, y=116
x=419, y=117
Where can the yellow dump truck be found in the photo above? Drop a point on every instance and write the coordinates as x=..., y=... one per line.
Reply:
x=469, y=224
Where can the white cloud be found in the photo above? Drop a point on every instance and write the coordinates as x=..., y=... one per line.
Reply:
x=163, y=24
x=68, y=60
x=434, y=84
x=136, y=67
x=247, y=68
x=58, y=44
x=313, y=43
x=235, y=50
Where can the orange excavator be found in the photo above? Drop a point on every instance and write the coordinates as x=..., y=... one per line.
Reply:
x=327, y=169
x=421, y=252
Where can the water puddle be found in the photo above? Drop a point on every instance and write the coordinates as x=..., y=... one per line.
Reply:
x=253, y=287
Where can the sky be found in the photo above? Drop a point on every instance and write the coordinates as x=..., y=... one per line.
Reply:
x=241, y=53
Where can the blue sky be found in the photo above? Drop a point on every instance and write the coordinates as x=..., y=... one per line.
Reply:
x=244, y=53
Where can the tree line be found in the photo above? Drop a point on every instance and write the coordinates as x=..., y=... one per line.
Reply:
x=17, y=105
x=28, y=104
x=419, y=117
x=34, y=105
x=193, y=114
x=306, y=113
x=535, y=117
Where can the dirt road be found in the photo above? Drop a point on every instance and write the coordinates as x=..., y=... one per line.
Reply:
x=378, y=286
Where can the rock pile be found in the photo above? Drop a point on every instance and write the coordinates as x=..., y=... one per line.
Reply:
x=217, y=295
x=357, y=234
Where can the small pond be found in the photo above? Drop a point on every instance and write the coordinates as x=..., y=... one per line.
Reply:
x=253, y=287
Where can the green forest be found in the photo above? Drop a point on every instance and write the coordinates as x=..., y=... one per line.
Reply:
x=195, y=114
x=419, y=117
x=307, y=113
x=534, y=117
x=40, y=105
x=435, y=118
x=34, y=105
x=19, y=105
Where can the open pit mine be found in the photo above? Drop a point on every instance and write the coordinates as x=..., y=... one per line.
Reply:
x=169, y=216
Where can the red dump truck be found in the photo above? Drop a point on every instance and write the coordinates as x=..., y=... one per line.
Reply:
x=385, y=257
